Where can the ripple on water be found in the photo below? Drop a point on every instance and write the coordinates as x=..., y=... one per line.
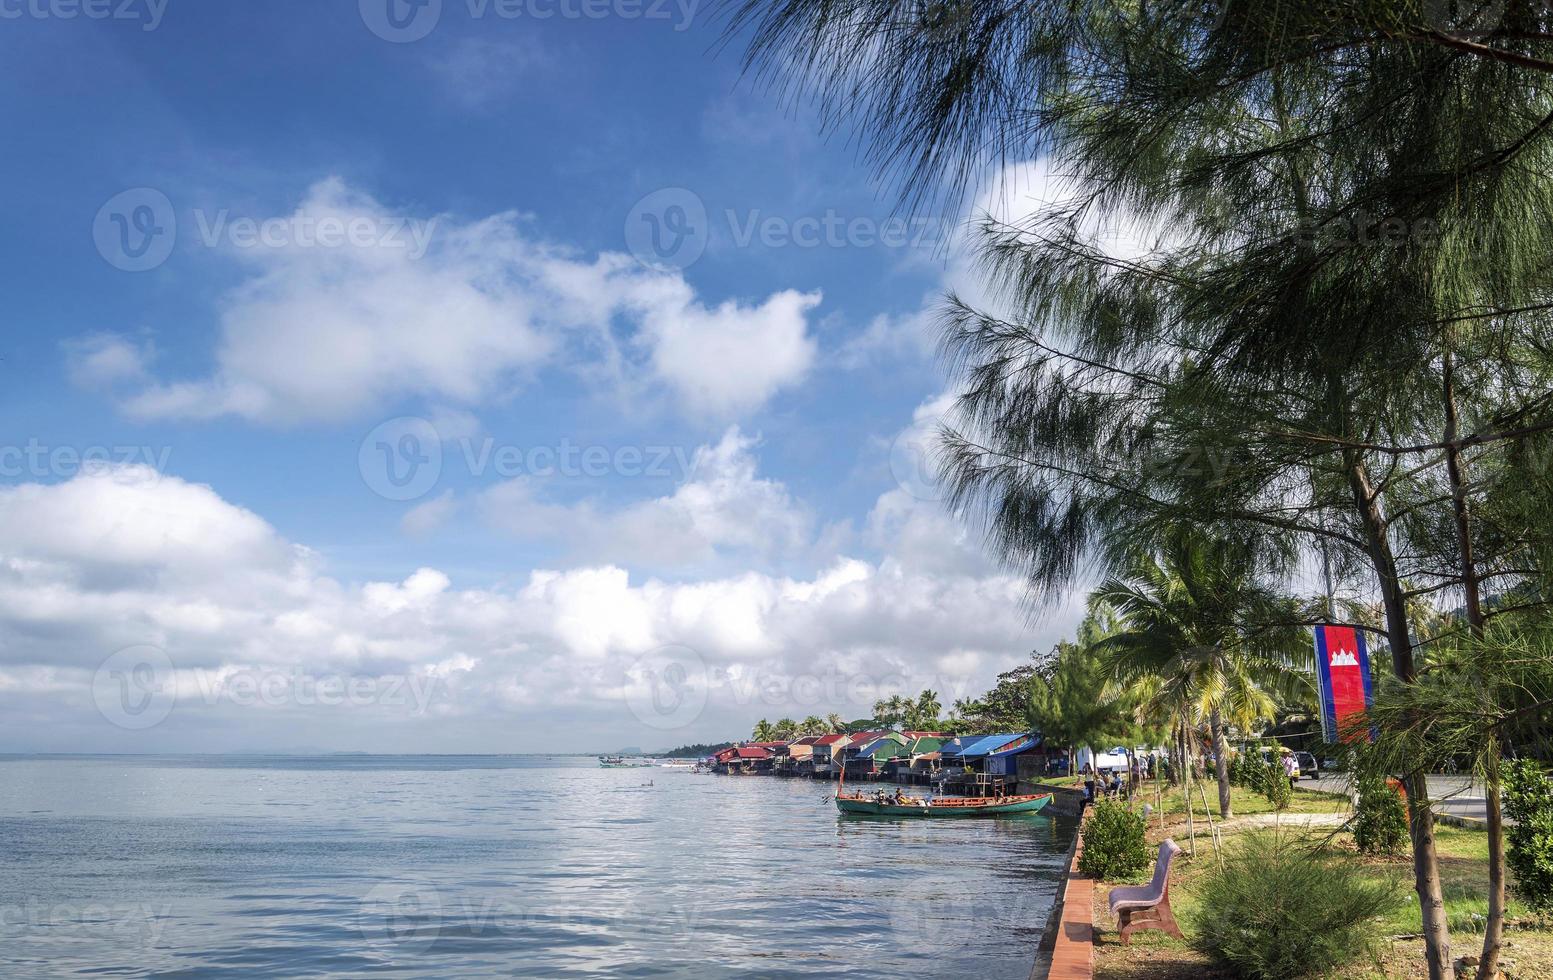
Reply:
x=447, y=866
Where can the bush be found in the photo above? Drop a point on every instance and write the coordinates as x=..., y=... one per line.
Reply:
x=1275, y=910
x=1275, y=786
x=1380, y=827
x=1528, y=800
x=1113, y=842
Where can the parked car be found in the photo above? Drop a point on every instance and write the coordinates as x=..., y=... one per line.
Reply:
x=1275, y=759
x=1309, y=768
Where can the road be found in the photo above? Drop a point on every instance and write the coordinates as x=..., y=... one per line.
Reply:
x=1457, y=796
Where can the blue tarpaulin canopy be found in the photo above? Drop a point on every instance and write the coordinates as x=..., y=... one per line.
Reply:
x=988, y=745
x=955, y=746
x=1024, y=744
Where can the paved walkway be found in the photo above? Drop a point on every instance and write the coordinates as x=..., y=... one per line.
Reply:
x=1453, y=796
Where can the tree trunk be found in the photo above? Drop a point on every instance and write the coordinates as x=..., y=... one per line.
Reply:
x=1493, y=934
x=1455, y=469
x=1221, y=762
x=1426, y=866
x=1186, y=790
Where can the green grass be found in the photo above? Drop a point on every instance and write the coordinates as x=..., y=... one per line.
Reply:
x=1463, y=873
x=1243, y=802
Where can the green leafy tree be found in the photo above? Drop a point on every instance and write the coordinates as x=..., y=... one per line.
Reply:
x=925, y=711
x=1185, y=614
x=812, y=725
x=1074, y=704
x=764, y=731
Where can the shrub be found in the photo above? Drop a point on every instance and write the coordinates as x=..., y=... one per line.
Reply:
x=1238, y=773
x=1275, y=786
x=1380, y=827
x=1528, y=800
x=1113, y=842
x=1275, y=910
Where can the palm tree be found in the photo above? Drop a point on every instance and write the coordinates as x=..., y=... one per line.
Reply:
x=835, y=724
x=1192, y=637
x=891, y=711
x=924, y=714
x=785, y=730
x=762, y=732
x=811, y=725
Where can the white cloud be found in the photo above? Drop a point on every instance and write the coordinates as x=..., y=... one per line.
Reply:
x=729, y=360
x=461, y=313
x=427, y=517
x=105, y=359
x=477, y=72
x=910, y=336
x=722, y=509
x=114, y=559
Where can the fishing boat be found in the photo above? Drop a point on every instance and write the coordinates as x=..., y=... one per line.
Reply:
x=963, y=806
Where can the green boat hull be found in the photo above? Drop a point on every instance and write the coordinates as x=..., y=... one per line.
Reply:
x=990, y=809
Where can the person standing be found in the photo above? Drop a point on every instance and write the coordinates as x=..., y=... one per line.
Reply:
x=1290, y=767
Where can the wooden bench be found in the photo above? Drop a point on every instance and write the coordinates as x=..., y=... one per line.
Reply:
x=1139, y=907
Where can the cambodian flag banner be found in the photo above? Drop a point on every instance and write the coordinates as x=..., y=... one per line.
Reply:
x=1342, y=676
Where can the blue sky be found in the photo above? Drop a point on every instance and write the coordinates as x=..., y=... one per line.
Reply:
x=493, y=291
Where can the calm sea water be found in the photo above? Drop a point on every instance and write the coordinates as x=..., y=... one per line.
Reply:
x=495, y=866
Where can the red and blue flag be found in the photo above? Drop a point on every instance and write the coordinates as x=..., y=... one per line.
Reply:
x=1342, y=677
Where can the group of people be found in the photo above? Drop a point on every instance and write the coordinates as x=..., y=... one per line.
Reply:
x=898, y=798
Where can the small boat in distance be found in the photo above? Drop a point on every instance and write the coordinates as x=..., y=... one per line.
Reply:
x=881, y=805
